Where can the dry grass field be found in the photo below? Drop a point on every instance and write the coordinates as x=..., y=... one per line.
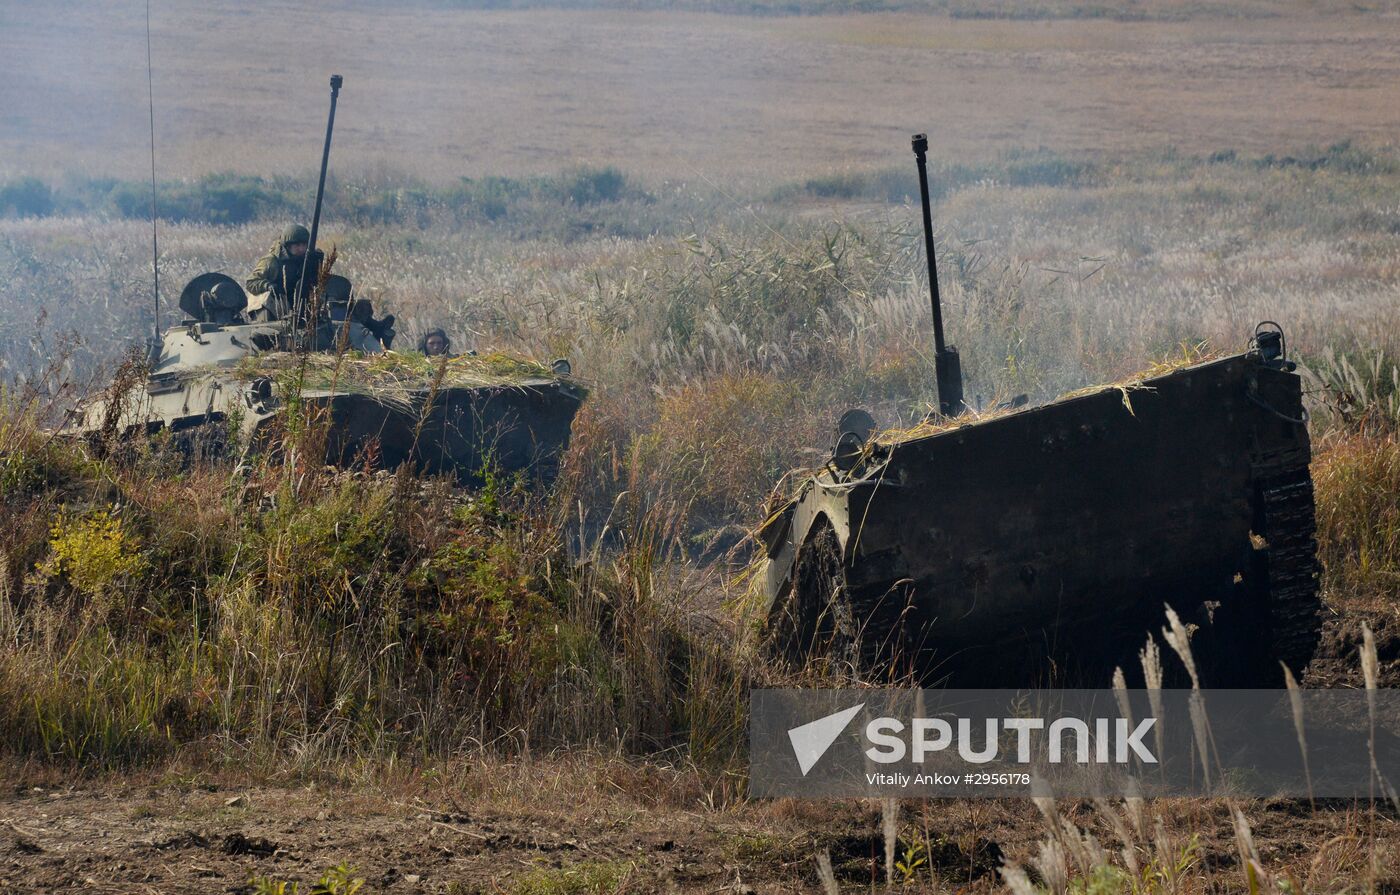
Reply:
x=220, y=679
x=443, y=92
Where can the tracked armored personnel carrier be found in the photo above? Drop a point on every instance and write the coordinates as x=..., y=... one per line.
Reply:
x=219, y=377
x=1038, y=546
x=241, y=369
x=1048, y=540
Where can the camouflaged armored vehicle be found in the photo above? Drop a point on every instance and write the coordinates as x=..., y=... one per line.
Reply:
x=230, y=368
x=1031, y=546
x=1042, y=544
x=237, y=361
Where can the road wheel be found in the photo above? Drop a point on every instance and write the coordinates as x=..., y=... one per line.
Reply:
x=813, y=625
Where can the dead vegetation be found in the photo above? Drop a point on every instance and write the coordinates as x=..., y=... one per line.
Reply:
x=393, y=377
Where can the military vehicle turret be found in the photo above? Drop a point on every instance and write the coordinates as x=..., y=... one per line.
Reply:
x=1037, y=546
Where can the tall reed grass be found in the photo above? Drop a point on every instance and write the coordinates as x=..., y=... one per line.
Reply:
x=291, y=610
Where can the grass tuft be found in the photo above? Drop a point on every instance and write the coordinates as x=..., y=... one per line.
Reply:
x=1357, y=480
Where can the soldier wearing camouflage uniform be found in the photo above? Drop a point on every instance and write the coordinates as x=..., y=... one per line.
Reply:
x=279, y=271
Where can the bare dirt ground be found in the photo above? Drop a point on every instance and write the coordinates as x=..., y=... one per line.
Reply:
x=182, y=833
x=444, y=93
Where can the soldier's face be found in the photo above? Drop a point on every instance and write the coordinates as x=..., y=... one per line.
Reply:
x=435, y=346
x=297, y=249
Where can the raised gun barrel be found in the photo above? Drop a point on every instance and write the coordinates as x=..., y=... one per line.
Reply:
x=947, y=366
x=300, y=300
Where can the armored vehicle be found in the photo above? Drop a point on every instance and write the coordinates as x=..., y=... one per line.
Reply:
x=1036, y=546
x=237, y=363
x=219, y=374
x=990, y=552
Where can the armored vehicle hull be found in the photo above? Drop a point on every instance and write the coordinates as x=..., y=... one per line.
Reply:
x=216, y=383
x=522, y=427
x=1041, y=546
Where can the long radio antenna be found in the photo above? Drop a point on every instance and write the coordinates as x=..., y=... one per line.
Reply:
x=946, y=364
x=155, y=239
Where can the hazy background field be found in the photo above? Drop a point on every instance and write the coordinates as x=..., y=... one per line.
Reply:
x=441, y=91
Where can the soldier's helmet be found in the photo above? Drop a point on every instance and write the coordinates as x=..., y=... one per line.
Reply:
x=336, y=290
x=213, y=298
x=294, y=234
x=224, y=301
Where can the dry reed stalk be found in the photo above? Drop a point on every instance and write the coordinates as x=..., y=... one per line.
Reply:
x=1151, y=659
x=1135, y=807
x=1053, y=865
x=826, y=874
x=889, y=824
x=1256, y=879
x=1120, y=830
x=1017, y=880
x=1295, y=702
x=1179, y=639
x=1120, y=695
x=1370, y=670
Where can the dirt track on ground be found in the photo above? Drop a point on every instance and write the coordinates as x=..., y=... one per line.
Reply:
x=168, y=837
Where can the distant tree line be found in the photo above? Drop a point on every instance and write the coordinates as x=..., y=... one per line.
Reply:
x=232, y=199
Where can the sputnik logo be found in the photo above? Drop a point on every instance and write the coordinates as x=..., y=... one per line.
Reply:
x=811, y=740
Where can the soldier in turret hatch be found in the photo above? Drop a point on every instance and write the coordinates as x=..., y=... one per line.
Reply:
x=279, y=272
x=354, y=317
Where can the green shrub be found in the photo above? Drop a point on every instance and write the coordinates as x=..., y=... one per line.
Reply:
x=585, y=878
x=338, y=880
x=316, y=552
x=231, y=199
x=213, y=199
x=886, y=185
x=98, y=703
x=589, y=186
x=95, y=552
x=487, y=198
x=26, y=197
